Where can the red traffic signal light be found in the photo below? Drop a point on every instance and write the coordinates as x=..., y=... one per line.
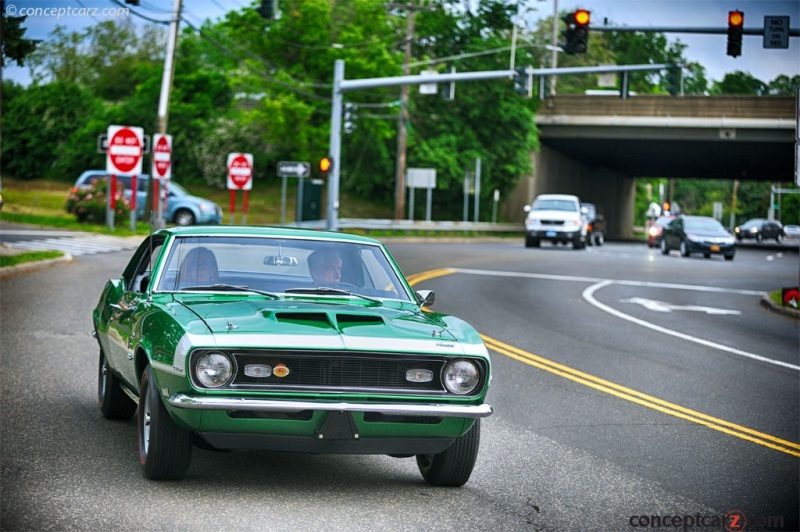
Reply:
x=582, y=17
x=325, y=164
x=735, y=18
x=735, y=32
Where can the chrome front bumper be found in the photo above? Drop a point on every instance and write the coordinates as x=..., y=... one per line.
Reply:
x=266, y=405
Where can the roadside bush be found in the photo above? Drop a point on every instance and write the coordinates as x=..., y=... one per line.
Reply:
x=89, y=205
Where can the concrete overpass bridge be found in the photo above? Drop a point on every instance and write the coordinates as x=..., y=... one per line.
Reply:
x=595, y=146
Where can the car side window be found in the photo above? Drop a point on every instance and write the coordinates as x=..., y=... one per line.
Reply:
x=136, y=280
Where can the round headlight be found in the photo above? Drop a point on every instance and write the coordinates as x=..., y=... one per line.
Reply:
x=461, y=376
x=213, y=369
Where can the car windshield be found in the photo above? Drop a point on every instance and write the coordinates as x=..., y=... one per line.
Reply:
x=554, y=205
x=704, y=224
x=280, y=266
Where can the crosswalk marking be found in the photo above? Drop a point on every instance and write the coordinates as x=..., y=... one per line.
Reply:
x=78, y=245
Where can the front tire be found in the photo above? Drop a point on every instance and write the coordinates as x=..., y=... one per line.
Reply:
x=165, y=450
x=664, y=249
x=184, y=217
x=114, y=403
x=453, y=466
x=684, y=249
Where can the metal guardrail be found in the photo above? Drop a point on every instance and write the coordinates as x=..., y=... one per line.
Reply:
x=413, y=225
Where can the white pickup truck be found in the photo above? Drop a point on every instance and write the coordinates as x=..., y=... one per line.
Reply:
x=556, y=218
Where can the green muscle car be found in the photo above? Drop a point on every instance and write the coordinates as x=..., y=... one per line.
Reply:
x=290, y=340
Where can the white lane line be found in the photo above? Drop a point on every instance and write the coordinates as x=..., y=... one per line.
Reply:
x=621, y=281
x=588, y=295
x=601, y=283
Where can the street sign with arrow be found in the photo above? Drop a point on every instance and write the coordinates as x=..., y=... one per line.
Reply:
x=294, y=169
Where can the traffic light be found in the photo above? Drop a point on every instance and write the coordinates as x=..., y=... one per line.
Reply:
x=673, y=79
x=523, y=82
x=577, y=31
x=735, y=32
x=267, y=9
x=448, y=89
x=349, y=117
x=325, y=164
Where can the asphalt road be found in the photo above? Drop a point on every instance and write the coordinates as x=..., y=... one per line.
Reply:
x=627, y=386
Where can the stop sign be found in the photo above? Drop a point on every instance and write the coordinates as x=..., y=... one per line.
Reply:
x=162, y=156
x=240, y=171
x=124, y=150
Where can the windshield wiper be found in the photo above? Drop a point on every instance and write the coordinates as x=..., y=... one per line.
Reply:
x=324, y=290
x=231, y=288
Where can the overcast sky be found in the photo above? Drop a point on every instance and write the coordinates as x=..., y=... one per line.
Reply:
x=708, y=50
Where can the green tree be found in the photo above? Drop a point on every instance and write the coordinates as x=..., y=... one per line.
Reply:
x=739, y=82
x=45, y=131
x=15, y=46
x=783, y=85
x=111, y=58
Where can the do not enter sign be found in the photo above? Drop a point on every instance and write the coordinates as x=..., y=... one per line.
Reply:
x=162, y=156
x=240, y=171
x=125, y=147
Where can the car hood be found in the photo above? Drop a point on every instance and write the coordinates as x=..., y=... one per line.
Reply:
x=336, y=325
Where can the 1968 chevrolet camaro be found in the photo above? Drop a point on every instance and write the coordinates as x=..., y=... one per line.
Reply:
x=289, y=340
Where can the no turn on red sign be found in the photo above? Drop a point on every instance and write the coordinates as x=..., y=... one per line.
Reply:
x=162, y=156
x=125, y=148
x=240, y=171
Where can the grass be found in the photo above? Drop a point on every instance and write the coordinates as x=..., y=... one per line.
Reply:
x=29, y=256
x=41, y=202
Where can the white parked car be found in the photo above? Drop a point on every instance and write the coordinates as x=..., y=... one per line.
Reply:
x=791, y=231
x=556, y=218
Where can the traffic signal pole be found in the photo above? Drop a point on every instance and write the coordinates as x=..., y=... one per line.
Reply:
x=341, y=85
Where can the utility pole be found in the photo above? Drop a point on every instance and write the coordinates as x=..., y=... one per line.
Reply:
x=163, y=102
x=402, y=132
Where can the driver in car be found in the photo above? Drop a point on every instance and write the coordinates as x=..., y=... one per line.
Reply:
x=325, y=267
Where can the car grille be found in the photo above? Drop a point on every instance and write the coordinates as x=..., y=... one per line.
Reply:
x=338, y=371
x=552, y=222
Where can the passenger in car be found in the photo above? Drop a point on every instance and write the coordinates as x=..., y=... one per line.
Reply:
x=199, y=267
x=325, y=267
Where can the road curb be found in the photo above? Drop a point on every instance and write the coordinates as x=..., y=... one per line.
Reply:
x=769, y=304
x=26, y=267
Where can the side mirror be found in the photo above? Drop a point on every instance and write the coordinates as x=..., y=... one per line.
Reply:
x=425, y=298
x=526, y=208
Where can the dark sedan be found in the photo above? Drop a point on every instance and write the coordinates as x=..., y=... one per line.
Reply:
x=759, y=229
x=697, y=234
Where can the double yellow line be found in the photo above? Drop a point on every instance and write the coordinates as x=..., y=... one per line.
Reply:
x=643, y=399
x=622, y=392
